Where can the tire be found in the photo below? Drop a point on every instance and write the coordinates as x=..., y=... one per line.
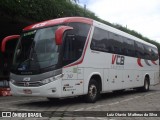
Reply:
x=145, y=88
x=146, y=85
x=93, y=92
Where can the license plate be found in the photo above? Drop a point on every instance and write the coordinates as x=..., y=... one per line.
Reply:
x=27, y=91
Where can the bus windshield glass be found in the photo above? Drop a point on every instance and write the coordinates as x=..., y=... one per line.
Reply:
x=36, y=50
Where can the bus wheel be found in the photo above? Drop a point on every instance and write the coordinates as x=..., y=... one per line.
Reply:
x=146, y=85
x=93, y=92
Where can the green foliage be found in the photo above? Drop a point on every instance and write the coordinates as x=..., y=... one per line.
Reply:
x=39, y=10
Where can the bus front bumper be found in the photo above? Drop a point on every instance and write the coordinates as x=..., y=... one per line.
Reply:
x=52, y=89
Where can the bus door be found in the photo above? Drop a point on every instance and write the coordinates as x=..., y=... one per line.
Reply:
x=72, y=51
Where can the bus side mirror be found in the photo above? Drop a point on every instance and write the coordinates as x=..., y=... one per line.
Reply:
x=60, y=32
x=6, y=39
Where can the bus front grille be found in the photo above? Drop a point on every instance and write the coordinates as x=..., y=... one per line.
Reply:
x=28, y=84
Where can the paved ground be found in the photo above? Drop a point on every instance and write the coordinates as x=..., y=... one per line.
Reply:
x=127, y=101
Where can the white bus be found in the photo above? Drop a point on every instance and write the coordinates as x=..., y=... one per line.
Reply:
x=75, y=56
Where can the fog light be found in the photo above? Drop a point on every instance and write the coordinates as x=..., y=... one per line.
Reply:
x=54, y=90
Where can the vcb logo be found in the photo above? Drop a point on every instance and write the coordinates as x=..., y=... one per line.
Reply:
x=118, y=59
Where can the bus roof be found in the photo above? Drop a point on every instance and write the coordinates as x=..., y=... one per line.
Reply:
x=58, y=21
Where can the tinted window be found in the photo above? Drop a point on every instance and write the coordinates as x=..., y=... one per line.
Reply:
x=116, y=43
x=74, y=42
x=154, y=54
x=106, y=41
x=147, y=52
x=4, y=83
x=100, y=40
x=113, y=43
x=129, y=49
x=139, y=50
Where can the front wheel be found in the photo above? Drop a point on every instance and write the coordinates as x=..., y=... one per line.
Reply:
x=93, y=92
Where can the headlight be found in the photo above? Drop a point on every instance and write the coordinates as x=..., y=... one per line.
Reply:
x=48, y=80
x=51, y=79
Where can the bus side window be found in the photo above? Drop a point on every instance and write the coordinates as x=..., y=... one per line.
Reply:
x=100, y=40
x=139, y=50
x=129, y=49
x=154, y=54
x=147, y=52
x=116, y=42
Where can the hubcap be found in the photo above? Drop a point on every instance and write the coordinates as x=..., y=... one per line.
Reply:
x=92, y=91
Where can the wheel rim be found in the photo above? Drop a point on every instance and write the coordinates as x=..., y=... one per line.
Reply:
x=92, y=91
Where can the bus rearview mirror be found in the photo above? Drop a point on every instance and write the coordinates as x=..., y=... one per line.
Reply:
x=6, y=39
x=60, y=32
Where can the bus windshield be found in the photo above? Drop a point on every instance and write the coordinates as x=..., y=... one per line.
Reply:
x=36, y=50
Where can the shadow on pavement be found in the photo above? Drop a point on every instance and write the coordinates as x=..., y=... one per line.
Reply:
x=79, y=100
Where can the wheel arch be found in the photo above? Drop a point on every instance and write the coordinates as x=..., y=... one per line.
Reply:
x=97, y=77
x=147, y=76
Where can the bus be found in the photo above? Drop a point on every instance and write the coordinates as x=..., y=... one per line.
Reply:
x=5, y=65
x=77, y=56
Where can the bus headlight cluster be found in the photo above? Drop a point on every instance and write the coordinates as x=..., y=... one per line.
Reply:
x=48, y=80
x=51, y=79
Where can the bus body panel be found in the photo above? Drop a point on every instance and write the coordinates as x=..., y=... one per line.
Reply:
x=72, y=87
x=72, y=82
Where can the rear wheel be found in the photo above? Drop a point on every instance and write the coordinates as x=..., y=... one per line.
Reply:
x=145, y=88
x=146, y=85
x=93, y=92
